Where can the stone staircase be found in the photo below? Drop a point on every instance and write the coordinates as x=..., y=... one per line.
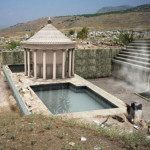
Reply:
x=136, y=53
x=133, y=63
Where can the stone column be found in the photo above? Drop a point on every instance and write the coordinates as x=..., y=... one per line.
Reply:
x=29, y=71
x=25, y=62
x=54, y=64
x=63, y=63
x=70, y=62
x=35, y=63
x=44, y=65
x=73, y=51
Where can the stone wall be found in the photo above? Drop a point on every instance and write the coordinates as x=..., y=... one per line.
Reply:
x=88, y=63
x=94, y=63
x=12, y=57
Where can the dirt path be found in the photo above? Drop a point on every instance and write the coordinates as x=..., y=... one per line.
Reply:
x=122, y=91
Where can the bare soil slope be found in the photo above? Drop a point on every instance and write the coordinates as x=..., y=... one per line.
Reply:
x=50, y=133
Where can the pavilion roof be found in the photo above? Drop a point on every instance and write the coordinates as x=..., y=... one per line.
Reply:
x=49, y=35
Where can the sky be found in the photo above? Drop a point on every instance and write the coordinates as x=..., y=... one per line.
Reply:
x=19, y=11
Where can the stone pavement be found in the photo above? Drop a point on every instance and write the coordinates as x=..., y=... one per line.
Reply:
x=123, y=91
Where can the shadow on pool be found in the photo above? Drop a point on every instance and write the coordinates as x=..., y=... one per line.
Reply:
x=17, y=68
x=145, y=95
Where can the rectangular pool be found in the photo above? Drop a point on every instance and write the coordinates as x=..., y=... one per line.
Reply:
x=67, y=98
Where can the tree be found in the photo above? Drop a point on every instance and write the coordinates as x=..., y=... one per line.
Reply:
x=71, y=32
x=83, y=34
x=13, y=44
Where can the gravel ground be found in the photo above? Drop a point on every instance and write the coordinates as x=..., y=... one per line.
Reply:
x=122, y=91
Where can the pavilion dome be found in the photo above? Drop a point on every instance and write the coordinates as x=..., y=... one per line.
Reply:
x=49, y=37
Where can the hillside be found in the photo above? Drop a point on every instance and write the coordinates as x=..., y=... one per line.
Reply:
x=135, y=18
x=124, y=9
x=143, y=8
x=113, y=9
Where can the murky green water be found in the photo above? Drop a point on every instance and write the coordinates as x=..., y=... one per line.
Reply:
x=65, y=101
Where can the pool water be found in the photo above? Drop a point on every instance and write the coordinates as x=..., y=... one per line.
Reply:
x=66, y=98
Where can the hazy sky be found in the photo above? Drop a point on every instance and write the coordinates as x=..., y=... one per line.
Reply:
x=17, y=11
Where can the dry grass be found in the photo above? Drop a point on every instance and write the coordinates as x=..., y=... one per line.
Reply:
x=41, y=132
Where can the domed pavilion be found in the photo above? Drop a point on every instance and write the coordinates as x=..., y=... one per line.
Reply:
x=48, y=49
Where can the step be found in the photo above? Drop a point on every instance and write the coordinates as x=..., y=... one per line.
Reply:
x=133, y=61
x=142, y=40
x=137, y=51
x=140, y=44
x=138, y=47
x=131, y=64
x=135, y=54
x=134, y=58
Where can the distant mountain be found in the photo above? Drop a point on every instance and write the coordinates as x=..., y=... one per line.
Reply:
x=141, y=8
x=113, y=9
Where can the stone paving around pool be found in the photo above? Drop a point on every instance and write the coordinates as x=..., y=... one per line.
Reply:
x=35, y=104
x=124, y=92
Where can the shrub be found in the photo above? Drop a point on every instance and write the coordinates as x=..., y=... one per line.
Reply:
x=71, y=32
x=83, y=34
x=13, y=44
x=125, y=38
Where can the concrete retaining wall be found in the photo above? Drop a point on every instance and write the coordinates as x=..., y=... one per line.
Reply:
x=135, y=75
x=88, y=63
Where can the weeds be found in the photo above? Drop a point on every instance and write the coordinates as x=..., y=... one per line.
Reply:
x=61, y=134
x=135, y=139
x=31, y=118
x=113, y=133
x=4, y=122
x=32, y=127
x=48, y=126
x=41, y=129
x=34, y=140
x=10, y=123
x=1, y=132
x=22, y=128
x=11, y=135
